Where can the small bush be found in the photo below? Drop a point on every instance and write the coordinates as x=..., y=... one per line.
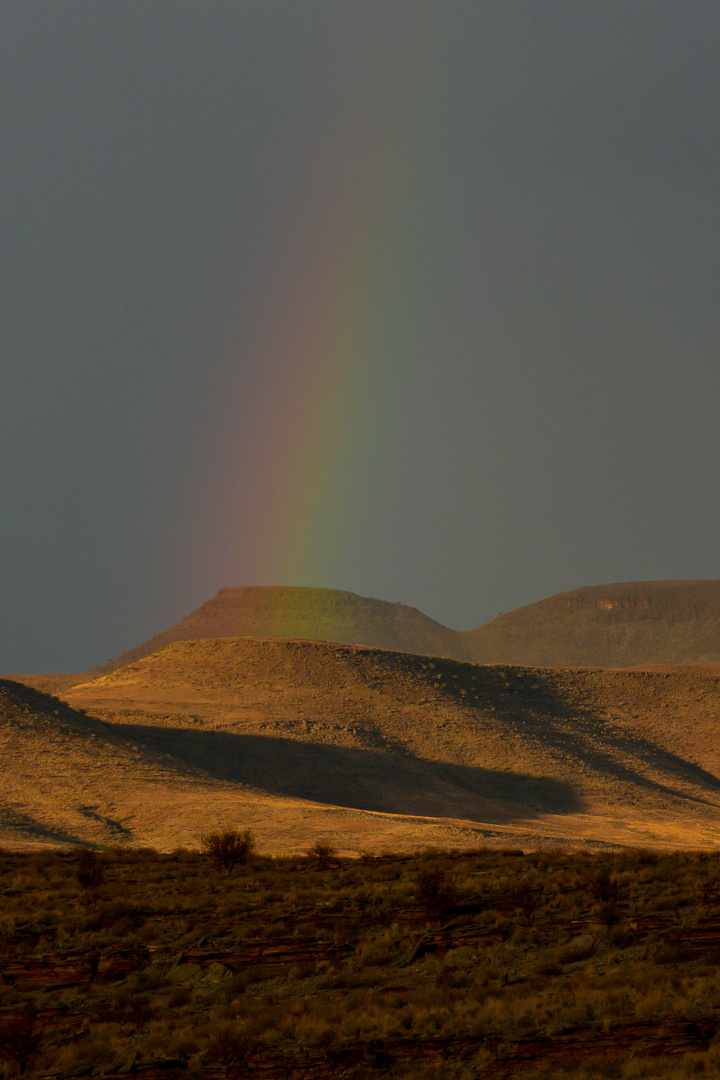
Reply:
x=322, y=855
x=118, y=916
x=89, y=871
x=19, y=1041
x=132, y=1009
x=602, y=886
x=228, y=847
x=546, y=967
x=228, y=1046
x=608, y=914
x=382, y=948
x=527, y=900
x=436, y=892
x=621, y=936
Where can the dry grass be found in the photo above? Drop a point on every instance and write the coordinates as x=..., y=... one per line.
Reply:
x=624, y=757
x=344, y=972
x=361, y=749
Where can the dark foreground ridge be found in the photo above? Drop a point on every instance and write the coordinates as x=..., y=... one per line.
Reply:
x=416, y=967
x=620, y=625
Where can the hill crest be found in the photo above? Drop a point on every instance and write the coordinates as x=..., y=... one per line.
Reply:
x=619, y=625
x=630, y=756
x=273, y=611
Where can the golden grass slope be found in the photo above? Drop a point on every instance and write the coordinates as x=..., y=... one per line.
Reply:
x=68, y=778
x=516, y=755
x=61, y=771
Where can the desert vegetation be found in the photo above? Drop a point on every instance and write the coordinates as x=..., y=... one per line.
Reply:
x=227, y=847
x=436, y=965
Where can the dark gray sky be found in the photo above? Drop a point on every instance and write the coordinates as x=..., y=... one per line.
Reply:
x=411, y=298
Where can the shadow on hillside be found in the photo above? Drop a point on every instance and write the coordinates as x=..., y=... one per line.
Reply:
x=557, y=711
x=359, y=778
x=30, y=828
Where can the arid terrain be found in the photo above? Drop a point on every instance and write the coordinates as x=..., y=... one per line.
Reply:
x=320, y=614
x=452, y=876
x=620, y=625
x=433, y=966
x=366, y=748
x=371, y=747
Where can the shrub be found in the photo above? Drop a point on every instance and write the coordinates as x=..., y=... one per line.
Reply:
x=380, y=949
x=323, y=855
x=89, y=871
x=118, y=916
x=602, y=886
x=19, y=1040
x=527, y=900
x=608, y=914
x=436, y=892
x=228, y=1046
x=621, y=936
x=228, y=847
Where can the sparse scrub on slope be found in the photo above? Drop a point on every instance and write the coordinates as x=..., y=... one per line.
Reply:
x=20, y=1037
x=290, y=969
x=437, y=892
x=322, y=855
x=228, y=847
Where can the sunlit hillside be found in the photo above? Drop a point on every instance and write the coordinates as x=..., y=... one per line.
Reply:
x=495, y=753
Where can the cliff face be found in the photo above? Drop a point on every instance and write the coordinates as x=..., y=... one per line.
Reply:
x=659, y=598
x=620, y=625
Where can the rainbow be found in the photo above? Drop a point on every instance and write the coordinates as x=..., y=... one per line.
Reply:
x=332, y=346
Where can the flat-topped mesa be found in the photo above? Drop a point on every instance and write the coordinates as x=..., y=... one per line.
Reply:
x=660, y=598
x=618, y=625
x=298, y=612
